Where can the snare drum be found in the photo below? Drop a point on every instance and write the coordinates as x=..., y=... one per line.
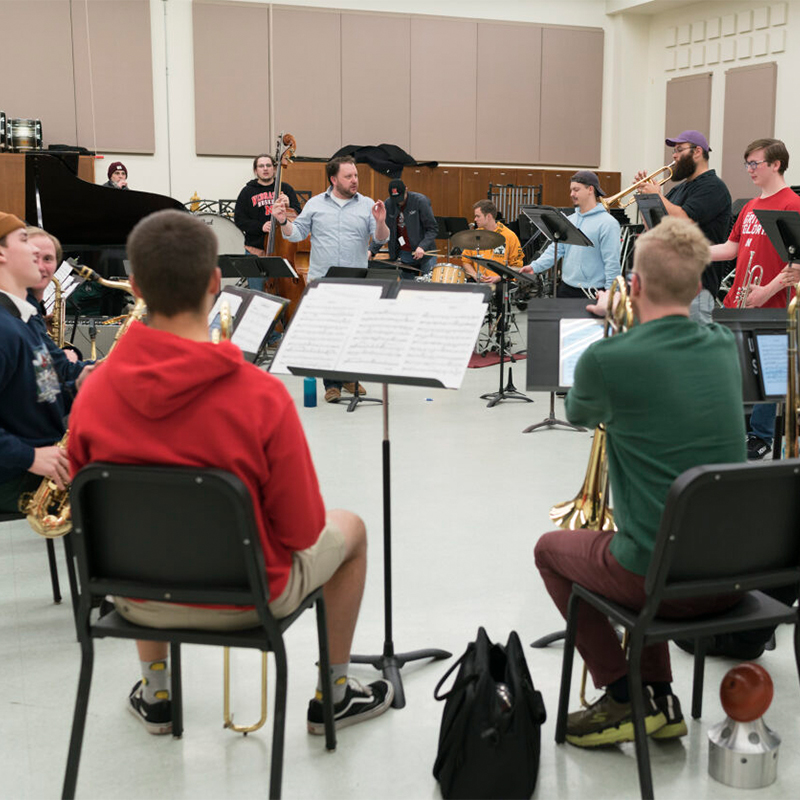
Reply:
x=24, y=134
x=448, y=273
x=230, y=239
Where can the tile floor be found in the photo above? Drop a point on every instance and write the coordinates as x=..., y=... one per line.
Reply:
x=470, y=495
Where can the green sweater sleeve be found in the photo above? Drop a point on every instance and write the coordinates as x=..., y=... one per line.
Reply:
x=587, y=402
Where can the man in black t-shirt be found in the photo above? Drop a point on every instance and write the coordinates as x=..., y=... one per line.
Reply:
x=701, y=197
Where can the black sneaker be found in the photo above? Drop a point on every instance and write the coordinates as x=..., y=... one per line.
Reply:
x=757, y=448
x=359, y=703
x=156, y=717
x=670, y=707
x=608, y=722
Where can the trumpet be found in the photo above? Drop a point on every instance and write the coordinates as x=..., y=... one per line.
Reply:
x=610, y=202
x=752, y=278
x=223, y=333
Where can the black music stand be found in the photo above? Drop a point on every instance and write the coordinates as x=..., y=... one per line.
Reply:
x=651, y=208
x=389, y=662
x=352, y=272
x=558, y=229
x=783, y=230
x=544, y=321
x=507, y=275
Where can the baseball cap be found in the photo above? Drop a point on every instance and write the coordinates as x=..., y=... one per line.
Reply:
x=690, y=137
x=588, y=178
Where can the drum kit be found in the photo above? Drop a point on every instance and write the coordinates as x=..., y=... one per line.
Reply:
x=20, y=135
x=229, y=237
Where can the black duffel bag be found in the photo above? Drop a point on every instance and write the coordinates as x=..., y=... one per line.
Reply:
x=489, y=741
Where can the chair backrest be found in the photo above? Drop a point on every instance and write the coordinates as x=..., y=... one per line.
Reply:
x=728, y=528
x=167, y=533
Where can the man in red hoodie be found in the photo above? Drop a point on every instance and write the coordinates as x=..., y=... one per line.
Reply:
x=189, y=402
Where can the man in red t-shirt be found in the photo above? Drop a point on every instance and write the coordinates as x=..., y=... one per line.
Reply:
x=765, y=160
x=186, y=401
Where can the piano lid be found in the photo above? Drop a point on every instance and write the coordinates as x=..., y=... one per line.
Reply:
x=81, y=213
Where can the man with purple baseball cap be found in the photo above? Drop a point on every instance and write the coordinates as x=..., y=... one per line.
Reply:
x=701, y=196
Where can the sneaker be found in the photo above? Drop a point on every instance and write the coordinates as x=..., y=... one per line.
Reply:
x=359, y=703
x=670, y=707
x=608, y=722
x=333, y=394
x=757, y=448
x=156, y=717
x=351, y=387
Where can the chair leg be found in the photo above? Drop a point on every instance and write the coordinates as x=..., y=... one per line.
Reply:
x=69, y=555
x=51, y=559
x=699, y=675
x=639, y=731
x=78, y=722
x=177, y=689
x=566, y=669
x=279, y=722
x=325, y=671
x=797, y=647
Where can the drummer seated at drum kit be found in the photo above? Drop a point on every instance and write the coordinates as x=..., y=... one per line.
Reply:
x=509, y=253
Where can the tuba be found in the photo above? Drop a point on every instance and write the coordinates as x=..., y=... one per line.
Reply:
x=47, y=509
x=589, y=509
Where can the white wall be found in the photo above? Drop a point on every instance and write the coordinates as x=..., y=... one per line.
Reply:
x=175, y=169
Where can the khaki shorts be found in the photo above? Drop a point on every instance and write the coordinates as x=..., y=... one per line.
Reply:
x=311, y=568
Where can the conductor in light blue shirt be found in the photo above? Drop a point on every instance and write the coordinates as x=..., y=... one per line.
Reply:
x=585, y=268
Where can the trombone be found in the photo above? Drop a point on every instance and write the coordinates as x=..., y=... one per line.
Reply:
x=614, y=200
x=219, y=334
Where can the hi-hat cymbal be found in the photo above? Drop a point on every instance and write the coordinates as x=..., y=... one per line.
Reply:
x=477, y=239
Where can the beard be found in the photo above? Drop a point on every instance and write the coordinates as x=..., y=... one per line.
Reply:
x=684, y=167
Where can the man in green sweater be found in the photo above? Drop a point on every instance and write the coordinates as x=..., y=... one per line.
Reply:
x=669, y=392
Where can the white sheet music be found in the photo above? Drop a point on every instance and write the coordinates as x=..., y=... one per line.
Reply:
x=69, y=284
x=351, y=329
x=253, y=324
x=232, y=299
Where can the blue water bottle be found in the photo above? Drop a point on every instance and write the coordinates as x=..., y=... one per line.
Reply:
x=310, y=392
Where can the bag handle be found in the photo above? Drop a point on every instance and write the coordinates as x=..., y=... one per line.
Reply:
x=457, y=685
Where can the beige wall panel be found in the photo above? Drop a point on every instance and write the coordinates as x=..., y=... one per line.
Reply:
x=509, y=87
x=113, y=75
x=572, y=96
x=376, y=86
x=36, y=62
x=443, y=89
x=308, y=79
x=231, y=78
x=688, y=108
x=749, y=115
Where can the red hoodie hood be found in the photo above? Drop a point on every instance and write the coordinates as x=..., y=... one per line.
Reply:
x=159, y=373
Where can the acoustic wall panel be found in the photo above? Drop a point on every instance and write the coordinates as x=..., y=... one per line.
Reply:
x=113, y=75
x=688, y=107
x=443, y=90
x=572, y=96
x=231, y=78
x=307, y=78
x=509, y=91
x=36, y=62
x=749, y=115
x=376, y=80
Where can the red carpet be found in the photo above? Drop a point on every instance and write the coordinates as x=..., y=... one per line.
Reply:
x=490, y=359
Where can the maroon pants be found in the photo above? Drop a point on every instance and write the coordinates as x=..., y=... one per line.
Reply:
x=567, y=557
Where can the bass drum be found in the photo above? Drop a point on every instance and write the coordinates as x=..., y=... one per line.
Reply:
x=230, y=238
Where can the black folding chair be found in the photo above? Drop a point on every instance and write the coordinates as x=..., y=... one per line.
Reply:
x=726, y=529
x=185, y=536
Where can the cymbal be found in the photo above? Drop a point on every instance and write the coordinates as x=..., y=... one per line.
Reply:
x=487, y=262
x=477, y=239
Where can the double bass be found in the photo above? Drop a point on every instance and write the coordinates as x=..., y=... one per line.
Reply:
x=274, y=243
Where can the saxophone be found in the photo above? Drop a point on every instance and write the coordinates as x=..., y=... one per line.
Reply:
x=48, y=509
x=59, y=318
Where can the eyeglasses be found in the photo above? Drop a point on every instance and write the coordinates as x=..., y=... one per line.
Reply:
x=751, y=165
x=678, y=150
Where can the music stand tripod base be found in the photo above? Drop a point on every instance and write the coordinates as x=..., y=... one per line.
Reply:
x=551, y=420
x=508, y=392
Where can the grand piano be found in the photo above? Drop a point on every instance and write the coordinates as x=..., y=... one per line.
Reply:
x=92, y=222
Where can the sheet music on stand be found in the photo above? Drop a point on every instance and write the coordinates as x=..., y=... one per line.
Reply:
x=400, y=332
x=254, y=316
x=69, y=283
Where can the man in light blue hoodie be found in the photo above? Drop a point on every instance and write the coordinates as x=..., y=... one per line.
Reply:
x=585, y=268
